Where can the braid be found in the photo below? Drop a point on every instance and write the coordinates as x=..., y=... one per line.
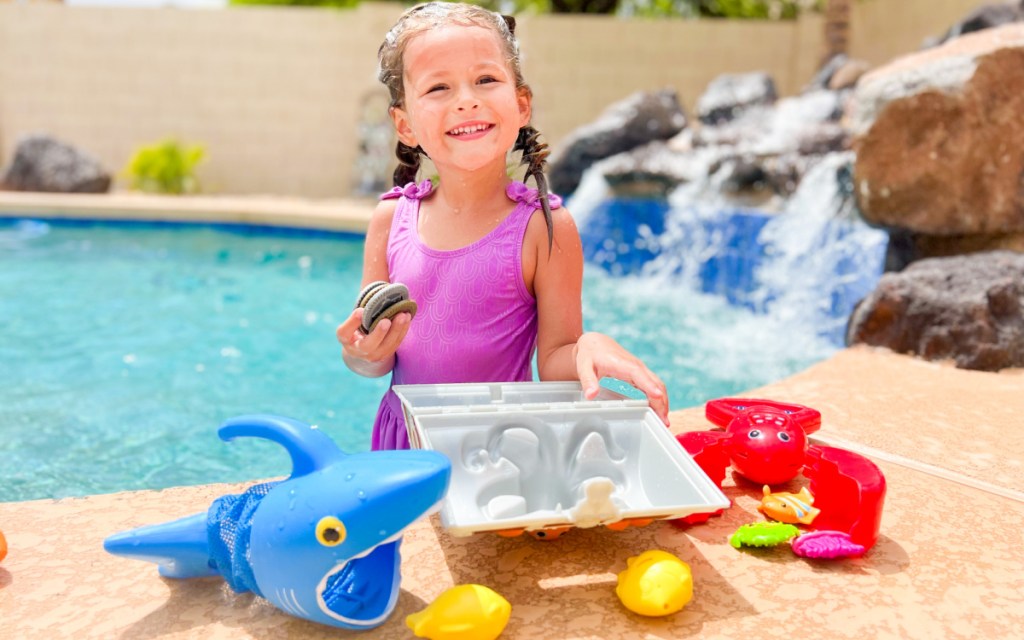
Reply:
x=535, y=155
x=408, y=164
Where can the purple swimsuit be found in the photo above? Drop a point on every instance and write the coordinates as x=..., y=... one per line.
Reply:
x=475, y=322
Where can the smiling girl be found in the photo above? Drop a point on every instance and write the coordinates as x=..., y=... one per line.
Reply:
x=494, y=282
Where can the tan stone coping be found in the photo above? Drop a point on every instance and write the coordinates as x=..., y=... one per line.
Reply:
x=330, y=215
x=948, y=563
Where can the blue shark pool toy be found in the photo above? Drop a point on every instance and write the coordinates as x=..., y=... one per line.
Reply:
x=322, y=545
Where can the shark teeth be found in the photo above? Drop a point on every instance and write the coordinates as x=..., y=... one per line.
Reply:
x=473, y=128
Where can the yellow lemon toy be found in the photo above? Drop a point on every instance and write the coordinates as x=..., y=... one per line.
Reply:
x=655, y=583
x=464, y=612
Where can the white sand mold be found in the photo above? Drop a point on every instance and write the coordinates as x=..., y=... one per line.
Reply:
x=533, y=455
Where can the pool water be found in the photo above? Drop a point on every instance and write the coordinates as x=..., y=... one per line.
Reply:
x=125, y=346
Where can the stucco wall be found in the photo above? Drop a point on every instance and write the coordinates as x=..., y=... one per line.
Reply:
x=276, y=94
x=883, y=29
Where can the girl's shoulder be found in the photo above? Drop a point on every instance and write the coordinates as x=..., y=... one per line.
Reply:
x=563, y=226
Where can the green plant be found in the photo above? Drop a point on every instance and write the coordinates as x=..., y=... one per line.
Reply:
x=165, y=167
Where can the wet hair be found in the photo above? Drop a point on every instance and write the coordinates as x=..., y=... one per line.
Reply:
x=430, y=15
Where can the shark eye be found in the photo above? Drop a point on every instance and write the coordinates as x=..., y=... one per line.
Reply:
x=330, y=531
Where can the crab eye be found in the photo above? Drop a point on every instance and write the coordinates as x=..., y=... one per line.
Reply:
x=330, y=531
x=754, y=434
x=783, y=436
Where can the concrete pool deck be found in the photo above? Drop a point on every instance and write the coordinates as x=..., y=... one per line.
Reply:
x=949, y=562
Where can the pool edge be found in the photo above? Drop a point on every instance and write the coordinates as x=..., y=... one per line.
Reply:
x=347, y=215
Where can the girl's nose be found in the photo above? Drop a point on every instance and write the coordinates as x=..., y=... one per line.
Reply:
x=467, y=101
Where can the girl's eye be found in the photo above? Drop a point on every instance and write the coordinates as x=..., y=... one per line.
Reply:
x=487, y=80
x=436, y=87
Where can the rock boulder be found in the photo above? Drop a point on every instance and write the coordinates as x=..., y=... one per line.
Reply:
x=637, y=120
x=967, y=308
x=42, y=163
x=729, y=95
x=939, y=137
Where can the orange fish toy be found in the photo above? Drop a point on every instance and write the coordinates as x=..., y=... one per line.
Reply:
x=788, y=507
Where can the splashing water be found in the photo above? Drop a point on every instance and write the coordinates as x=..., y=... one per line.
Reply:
x=822, y=258
x=765, y=294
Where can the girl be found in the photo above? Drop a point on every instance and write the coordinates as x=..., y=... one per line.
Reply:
x=492, y=280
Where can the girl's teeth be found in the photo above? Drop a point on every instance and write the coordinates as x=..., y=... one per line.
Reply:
x=462, y=130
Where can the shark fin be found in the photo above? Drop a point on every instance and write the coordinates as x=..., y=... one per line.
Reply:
x=309, y=448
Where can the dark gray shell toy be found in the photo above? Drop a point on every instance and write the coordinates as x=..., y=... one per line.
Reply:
x=383, y=300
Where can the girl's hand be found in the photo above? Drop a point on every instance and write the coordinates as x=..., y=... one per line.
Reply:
x=598, y=356
x=372, y=355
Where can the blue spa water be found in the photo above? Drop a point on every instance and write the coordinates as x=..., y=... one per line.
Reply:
x=124, y=346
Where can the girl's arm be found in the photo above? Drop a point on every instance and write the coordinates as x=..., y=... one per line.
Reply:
x=374, y=355
x=564, y=352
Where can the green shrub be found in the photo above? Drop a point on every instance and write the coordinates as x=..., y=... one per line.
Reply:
x=165, y=167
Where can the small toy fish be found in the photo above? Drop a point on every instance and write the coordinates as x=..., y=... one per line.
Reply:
x=464, y=612
x=763, y=534
x=793, y=508
x=655, y=583
x=827, y=545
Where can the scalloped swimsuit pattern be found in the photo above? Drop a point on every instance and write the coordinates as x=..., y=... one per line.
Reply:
x=476, y=321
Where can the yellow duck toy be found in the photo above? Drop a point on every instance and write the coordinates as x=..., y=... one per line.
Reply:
x=464, y=612
x=655, y=583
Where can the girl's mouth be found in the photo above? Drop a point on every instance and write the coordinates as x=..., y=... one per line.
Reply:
x=470, y=131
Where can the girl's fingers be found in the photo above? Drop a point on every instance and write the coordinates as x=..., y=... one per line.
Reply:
x=346, y=331
x=385, y=338
x=395, y=332
x=590, y=379
x=637, y=374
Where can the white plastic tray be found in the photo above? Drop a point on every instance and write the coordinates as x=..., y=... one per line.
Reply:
x=536, y=455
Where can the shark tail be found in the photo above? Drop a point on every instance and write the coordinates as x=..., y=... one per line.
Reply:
x=179, y=547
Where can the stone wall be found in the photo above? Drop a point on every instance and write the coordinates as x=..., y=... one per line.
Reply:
x=881, y=30
x=276, y=94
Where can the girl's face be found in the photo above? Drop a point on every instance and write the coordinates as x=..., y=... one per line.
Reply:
x=461, y=101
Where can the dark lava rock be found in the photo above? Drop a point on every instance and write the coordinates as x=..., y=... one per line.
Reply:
x=729, y=95
x=967, y=308
x=982, y=17
x=639, y=119
x=42, y=163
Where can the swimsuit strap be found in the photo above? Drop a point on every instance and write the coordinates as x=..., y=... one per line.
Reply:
x=519, y=192
x=411, y=191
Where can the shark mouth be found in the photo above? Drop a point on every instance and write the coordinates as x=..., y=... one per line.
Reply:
x=362, y=591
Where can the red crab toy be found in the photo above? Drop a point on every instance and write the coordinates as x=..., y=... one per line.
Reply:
x=766, y=442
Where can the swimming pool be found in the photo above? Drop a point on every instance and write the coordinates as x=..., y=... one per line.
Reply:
x=125, y=345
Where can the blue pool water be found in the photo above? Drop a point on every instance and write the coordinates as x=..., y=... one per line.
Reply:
x=124, y=346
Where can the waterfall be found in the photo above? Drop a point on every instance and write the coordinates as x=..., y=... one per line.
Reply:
x=800, y=269
x=820, y=257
